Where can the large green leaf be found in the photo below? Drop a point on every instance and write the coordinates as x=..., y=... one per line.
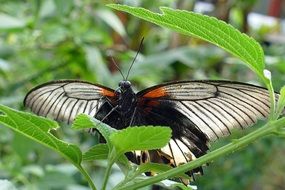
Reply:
x=39, y=129
x=206, y=28
x=140, y=138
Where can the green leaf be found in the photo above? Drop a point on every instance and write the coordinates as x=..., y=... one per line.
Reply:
x=83, y=121
x=140, y=138
x=39, y=129
x=154, y=167
x=100, y=152
x=97, y=152
x=207, y=28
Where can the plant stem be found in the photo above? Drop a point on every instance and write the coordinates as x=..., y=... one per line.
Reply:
x=107, y=174
x=268, y=128
x=272, y=100
x=87, y=177
x=111, y=160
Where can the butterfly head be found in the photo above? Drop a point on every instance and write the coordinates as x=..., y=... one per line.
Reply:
x=124, y=85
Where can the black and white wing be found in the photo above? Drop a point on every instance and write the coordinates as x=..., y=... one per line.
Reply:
x=63, y=100
x=213, y=109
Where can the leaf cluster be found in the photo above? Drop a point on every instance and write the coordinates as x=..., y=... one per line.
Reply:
x=145, y=137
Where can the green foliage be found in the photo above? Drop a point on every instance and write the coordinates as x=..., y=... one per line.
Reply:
x=206, y=28
x=211, y=30
x=39, y=129
x=48, y=40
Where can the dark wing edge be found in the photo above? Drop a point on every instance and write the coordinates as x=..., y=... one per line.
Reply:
x=64, y=99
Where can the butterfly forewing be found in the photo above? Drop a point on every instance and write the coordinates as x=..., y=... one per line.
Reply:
x=63, y=100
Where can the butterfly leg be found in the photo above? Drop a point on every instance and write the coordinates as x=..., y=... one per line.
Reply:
x=97, y=107
x=133, y=116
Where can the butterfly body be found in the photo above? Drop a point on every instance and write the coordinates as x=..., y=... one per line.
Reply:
x=118, y=111
x=126, y=99
x=130, y=109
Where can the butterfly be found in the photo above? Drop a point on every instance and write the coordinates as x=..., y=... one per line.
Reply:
x=198, y=112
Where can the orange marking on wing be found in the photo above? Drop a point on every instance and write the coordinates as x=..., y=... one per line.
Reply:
x=156, y=93
x=107, y=93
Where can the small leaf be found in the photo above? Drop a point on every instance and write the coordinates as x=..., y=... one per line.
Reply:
x=207, y=28
x=156, y=168
x=83, y=121
x=140, y=138
x=152, y=167
x=97, y=152
x=101, y=152
x=38, y=129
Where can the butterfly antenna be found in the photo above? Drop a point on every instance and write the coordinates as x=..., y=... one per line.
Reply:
x=140, y=47
x=114, y=62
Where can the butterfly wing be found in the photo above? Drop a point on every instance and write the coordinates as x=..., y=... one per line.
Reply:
x=63, y=100
x=212, y=108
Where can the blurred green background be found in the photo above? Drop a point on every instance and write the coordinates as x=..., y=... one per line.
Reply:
x=43, y=40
